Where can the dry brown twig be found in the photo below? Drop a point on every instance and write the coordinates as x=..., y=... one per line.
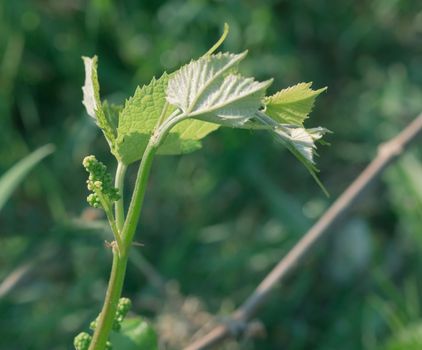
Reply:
x=387, y=153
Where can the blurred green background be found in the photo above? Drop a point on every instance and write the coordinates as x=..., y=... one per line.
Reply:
x=215, y=221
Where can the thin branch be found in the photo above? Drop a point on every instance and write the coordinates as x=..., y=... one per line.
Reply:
x=387, y=153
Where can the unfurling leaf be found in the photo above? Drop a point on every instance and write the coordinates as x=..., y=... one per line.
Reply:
x=92, y=102
x=292, y=105
x=298, y=140
x=208, y=89
x=303, y=140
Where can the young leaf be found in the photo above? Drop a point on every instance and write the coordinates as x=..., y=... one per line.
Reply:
x=298, y=140
x=139, y=118
x=204, y=89
x=292, y=105
x=303, y=140
x=91, y=90
x=143, y=112
x=91, y=100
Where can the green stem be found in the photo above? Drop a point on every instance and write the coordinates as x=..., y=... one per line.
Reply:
x=108, y=313
x=135, y=206
x=119, y=206
x=120, y=256
x=118, y=269
x=136, y=202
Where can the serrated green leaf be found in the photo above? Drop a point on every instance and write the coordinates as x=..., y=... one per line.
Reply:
x=135, y=334
x=139, y=117
x=292, y=105
x=92, y=102
x=143, y=112
x=208, y=90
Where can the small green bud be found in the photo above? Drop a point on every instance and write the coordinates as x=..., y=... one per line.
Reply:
x=108, y=346
x=82, y=341
x=89, y=161
x=99, y=181
x=93, y=324
x=93, y=200
x=117, y=325
x=98, y=185
x=123, y=308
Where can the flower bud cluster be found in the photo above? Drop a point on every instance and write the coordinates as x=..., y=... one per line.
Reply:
x=99, y=182
x=122, y=309
x=83, y=340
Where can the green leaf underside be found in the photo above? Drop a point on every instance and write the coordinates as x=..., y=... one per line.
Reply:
x=91, y=100
x=185, y=137
x=208, y=89
x=292, y=105
x=142, y=114
x=302, y=150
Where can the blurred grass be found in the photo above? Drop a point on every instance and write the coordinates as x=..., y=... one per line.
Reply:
x=12, y=178
x=217, y=220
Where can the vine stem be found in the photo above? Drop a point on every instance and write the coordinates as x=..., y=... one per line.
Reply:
x=114, y=290
x=118, y=270
x=127, y=229
x=136, y=202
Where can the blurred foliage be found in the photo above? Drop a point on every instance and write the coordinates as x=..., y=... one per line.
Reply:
x=13, y=177
x=217, y=220
x=135, y=334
